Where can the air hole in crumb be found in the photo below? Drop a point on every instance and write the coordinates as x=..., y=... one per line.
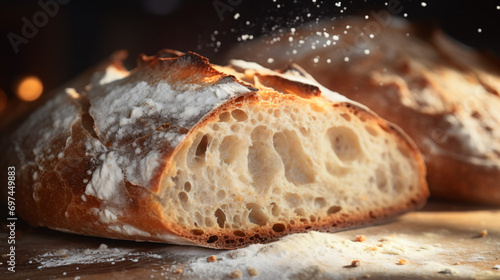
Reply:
x=270, y=111
x=260, y=117
x=208, y=222
x=224, y=117
x=221, y=217
x=256, y=215
x=278, y=227
x=475, y=114
x=199, y=218
x=277, y=113
x=263, y=164
x=201, y=150
x=312, y=218
x=333, y=210
x=304, y=131
x=347, y=117
x=239, y=115
x=175, y=179
x=345, y=143
x=300, y=211
x=236, y=220
x=212, y=239
x=239, y=233
x=221, y=195
x=187, y=186
x=299, y=168
x=196, y=232
x=183, y=198
x=275, y=210
x=381, y=180
x=215, y=127
x=293, y=200
x=399, y=186
x=230, y=149
x=235, y=128
x=319, y=202
x=372, y=131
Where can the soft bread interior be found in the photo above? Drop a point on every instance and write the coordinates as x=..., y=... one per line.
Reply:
x=285, y=165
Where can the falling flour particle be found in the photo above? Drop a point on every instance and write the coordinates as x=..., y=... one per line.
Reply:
x=424, y=4
x=236, y=16
x=346, y=59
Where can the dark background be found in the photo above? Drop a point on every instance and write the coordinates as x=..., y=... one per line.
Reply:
x=82, y=33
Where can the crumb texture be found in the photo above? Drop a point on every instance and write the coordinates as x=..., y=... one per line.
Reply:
x=279, y=165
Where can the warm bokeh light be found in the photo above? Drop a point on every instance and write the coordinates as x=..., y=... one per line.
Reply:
x=3, y=100
x=29, y=89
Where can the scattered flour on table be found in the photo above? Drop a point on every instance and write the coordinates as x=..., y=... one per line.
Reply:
x=63, y=257
x=325, y=255
x=311, y=255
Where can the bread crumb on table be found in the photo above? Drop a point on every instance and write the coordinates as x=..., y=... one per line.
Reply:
x=235, y=274
x=371, y=248
x=402, y=262
x=446, y=271
x=360, y=238
x=179, y=271
x=483, y=233
x=252, y=271
x=355, y=263
x=212, y=258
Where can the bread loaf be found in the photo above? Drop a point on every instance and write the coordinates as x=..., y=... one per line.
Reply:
x=443, y=94
x=185, y=152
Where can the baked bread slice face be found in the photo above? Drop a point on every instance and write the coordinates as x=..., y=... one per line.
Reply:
x=185, y=152
x=445, y=95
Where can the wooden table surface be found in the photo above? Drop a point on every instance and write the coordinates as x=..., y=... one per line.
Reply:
x=46, y=254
